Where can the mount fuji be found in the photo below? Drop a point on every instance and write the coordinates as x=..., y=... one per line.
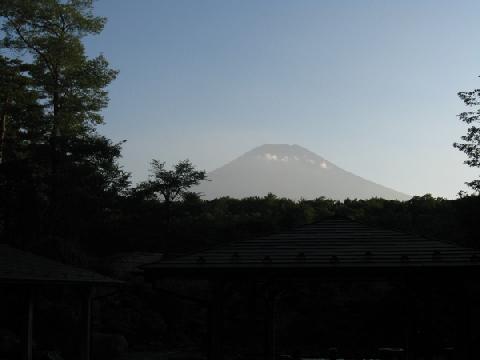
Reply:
x=289, y=171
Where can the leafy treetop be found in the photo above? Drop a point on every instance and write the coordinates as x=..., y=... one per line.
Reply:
x=50, y=32
x=471, y=141
x=170, y=185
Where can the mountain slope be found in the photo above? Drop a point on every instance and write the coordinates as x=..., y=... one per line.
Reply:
x=289, y=171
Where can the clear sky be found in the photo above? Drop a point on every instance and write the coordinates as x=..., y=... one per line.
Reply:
x=369, y=85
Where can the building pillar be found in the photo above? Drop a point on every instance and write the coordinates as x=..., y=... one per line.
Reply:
x=27, y=336
x=215, y=320
x=463, y=324
x=254, y=348
x=411, y=320
x=429, y=347
x=270, y=326
x=420, y=341
x=86, y=324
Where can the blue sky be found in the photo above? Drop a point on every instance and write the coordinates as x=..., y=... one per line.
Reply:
x=369, y=85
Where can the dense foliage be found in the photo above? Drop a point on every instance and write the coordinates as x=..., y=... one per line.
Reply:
x=200, y=223
x=56, y=172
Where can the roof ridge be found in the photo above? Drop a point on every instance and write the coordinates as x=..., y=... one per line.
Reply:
x=345, y=240
x=50, y=269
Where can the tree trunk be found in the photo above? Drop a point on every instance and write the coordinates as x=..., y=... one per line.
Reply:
x=3, y=130
x=54, y=135
x=168, y=226
x=54, y=168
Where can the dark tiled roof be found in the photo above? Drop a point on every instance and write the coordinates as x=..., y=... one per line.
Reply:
x=17, y=266
x=332, y=243
x=124, y=265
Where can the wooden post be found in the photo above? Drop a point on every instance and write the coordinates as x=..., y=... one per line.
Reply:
x=270, y=324
x=27, y=338
x=428, y=326
x=411, y=322
x=253, y=333
x=215, y=320
x=86, y=324
x=463, y=336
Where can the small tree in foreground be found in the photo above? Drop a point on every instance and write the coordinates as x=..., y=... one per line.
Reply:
x=170, y=185
x=471, y=141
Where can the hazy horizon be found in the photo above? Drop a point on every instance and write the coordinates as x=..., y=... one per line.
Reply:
x=370, y=86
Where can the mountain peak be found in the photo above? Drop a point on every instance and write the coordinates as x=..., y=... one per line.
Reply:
x=290, y=171
x=282, y=150
x=279, y=147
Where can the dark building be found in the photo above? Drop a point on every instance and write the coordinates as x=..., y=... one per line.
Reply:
x=424, y=272
x=26, y=278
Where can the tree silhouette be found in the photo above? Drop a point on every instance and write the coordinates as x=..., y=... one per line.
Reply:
x=169, y=185
x=17, y=100
x=55, y=170
x=72, y=84
x=48, y=34
x=471, y=141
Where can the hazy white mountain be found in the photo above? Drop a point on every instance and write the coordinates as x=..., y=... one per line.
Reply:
x=289, y=171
